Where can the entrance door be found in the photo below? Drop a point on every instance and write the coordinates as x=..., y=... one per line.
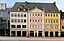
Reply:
x=56, y=34
x=24, y=33
x=62, y=34
x=18, y=33
x=12, y=33
x=32, y=33
x=40, y=33
x=46, y=34
x=51, y=34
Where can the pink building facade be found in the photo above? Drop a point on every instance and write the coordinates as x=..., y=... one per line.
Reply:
x=36, y=22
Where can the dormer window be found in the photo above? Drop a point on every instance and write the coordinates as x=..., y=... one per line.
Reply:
x=21, y=6
x=18, y=9
x=24, y=9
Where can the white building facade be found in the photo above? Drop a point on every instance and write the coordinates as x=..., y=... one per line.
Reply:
x=18, y=23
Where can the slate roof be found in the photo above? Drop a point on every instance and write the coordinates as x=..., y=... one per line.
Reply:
x=47, y=7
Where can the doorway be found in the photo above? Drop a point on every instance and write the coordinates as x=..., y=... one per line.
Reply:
x=62, y=34
x=12, y=33
x=19, y=33
x=39, y=33
x=51, y=34
x=56, y=34
x=24, y=33
x=46, y=34
x=32, y=33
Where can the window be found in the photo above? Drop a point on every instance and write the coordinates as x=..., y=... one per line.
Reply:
x=38, y=26
x=15, y=15
x=51, y=21
x=21, y=15
x=11, y=15
x=41, y=20
x=30, y=14
x=33, y=26
x=21, y=6
x=62, y=27
x=48, y=20
x=56, y=26
x=23, y=26
x=12, y=20
x=24, y=9
x=21, y=20
x=45, y=14
x=48, y=14
x=35, y=14
x=62, y=16
x=30, y=20
x=41, y=14
x=24, y=15
x=56, y=15
x=25, y=20
x=46, y=26
x=55, y=21
x=12, y=26
x=35, y=20
x=15, y=20
x=18, y=26
x=51, y=26
x=18, y=9
x=18, y=20
x=38, y=14
x=30, y=26
x=38, y=20
x=18, y=15
x=62, y=20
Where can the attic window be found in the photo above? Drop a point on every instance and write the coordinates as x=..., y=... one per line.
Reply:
x=18, y=9
x=24, y=9
x=21, y=6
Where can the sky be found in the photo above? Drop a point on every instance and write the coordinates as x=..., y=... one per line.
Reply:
x=59, y=3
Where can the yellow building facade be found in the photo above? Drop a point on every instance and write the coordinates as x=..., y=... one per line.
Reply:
x=52, y=24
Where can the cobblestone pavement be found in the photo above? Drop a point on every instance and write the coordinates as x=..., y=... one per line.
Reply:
x=31, y=39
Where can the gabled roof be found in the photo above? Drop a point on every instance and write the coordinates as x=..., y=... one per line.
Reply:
x=47, y=7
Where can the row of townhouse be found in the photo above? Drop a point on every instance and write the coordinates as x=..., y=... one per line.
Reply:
x=32, y=19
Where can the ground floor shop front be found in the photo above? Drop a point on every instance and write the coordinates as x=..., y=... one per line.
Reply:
x=52, y=33
x=62, y=33
x=27, y=33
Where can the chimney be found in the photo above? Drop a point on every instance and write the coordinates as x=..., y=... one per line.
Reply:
x=54, y=2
